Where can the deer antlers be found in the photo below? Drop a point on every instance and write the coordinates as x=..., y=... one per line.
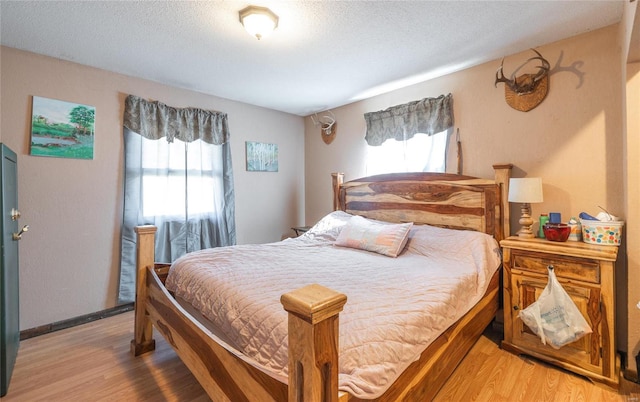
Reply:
x=327, y=125
x=527, y=91
x=529, y=81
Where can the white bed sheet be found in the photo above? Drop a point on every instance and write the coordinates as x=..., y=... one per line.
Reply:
x=395, y=308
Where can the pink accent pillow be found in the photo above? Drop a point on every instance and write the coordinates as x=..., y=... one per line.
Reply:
x=380, y=237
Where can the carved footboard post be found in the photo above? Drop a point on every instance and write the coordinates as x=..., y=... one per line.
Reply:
x=143, y=341
x=313, y=343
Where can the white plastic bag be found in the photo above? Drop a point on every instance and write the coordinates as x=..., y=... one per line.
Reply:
x=554, y=317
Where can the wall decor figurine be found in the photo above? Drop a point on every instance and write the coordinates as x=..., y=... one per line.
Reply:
x=62, y=129
x=328, y=126
x=526, y=91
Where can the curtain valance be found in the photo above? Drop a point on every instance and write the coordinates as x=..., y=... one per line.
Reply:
x=401, y=122
x=155, y=120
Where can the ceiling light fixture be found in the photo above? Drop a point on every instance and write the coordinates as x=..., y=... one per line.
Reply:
x=258, y=21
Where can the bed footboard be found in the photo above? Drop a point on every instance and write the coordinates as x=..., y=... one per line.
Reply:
x=313, y=339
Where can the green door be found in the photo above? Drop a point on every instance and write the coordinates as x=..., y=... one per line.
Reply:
x=9, y=307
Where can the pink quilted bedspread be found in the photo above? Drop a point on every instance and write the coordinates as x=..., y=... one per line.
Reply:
x=395, y=308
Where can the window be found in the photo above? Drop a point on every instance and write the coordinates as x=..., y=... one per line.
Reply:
x=421, y=153
x=411, y=137
x=179, y=178
x=185, y=186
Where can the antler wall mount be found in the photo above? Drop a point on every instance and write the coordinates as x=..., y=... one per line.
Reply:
x=328, y=126
x=526, y=91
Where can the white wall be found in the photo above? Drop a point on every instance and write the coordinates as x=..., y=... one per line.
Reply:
x=69, y=259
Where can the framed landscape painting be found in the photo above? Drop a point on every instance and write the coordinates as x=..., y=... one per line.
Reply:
x=262, y=157
x=62, y=129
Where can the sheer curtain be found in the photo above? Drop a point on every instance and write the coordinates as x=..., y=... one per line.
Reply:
x=422, y=153
x=178, y=177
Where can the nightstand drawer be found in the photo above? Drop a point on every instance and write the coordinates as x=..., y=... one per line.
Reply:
x=579, y=269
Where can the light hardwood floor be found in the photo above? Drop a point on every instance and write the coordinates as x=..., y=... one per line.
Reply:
x=92, y=362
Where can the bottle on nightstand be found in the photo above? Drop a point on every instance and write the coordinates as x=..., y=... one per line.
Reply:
x=544, y=218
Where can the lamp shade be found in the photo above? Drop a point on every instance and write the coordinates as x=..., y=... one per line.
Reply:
x=525, y=190
x=258, y=21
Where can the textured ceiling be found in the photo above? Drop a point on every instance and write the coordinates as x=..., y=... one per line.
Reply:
x=323, y=54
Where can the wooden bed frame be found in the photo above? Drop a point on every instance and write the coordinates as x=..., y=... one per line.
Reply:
x=439, y=199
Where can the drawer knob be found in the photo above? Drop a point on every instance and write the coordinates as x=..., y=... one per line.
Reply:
x=550, y=266
x=516, y=308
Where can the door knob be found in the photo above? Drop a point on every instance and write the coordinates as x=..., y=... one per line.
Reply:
x=18, y=236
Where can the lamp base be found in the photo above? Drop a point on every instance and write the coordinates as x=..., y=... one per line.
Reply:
x=525, y=222
x=525, y=235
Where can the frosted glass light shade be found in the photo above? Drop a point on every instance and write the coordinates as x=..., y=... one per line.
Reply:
x=525, y=190
x=258, y=21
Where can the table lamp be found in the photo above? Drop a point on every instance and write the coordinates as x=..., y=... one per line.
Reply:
x=526, y=191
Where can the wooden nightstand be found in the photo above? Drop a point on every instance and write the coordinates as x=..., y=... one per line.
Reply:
x=587, y=273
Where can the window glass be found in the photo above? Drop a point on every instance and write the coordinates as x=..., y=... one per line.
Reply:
x=187, y=187
x=422, y=153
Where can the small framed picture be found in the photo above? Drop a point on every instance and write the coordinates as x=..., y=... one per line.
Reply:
x=262, y=157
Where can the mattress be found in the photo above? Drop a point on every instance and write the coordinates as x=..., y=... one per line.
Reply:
x=396, y=306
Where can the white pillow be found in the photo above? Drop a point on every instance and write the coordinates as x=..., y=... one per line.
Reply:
x=380, y=237
x=329, y=227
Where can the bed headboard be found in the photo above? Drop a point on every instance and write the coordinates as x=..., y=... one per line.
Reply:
x=439, y=199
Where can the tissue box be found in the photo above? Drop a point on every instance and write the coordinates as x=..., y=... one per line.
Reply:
x=601, y=232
